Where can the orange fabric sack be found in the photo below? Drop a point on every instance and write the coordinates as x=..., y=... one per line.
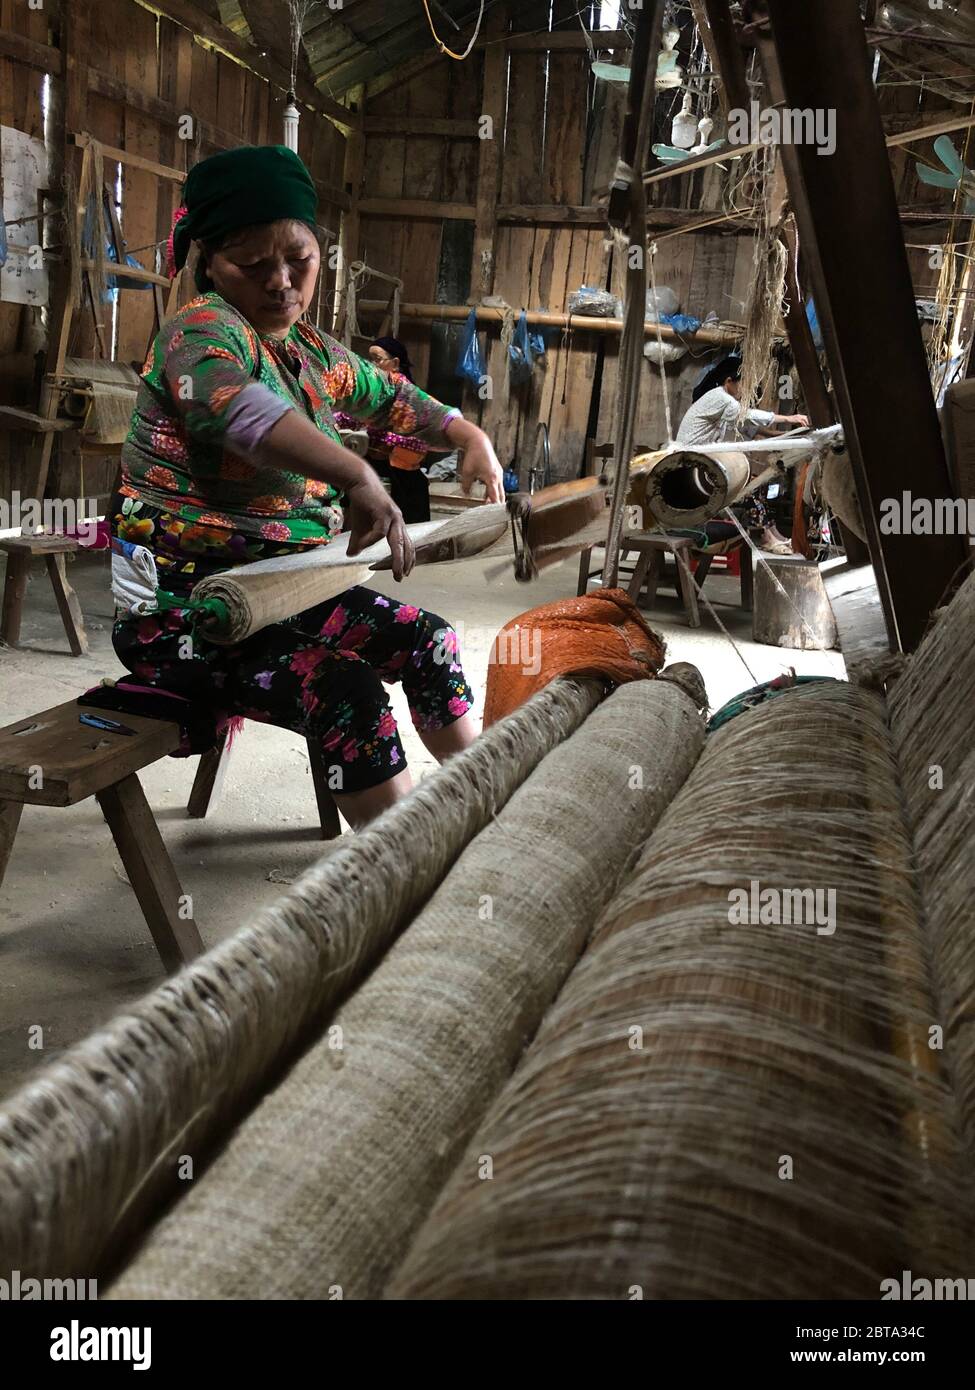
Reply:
x=600, y=634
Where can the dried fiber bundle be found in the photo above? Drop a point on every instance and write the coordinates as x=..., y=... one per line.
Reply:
x=934, y=733
x=89, y=1147
x=323, y=1186
x=716, y=1108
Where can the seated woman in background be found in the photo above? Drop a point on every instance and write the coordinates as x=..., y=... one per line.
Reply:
x=397, y=457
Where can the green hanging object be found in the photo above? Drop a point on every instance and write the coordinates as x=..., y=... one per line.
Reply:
x=611, y=72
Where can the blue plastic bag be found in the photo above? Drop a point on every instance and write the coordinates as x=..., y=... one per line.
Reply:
x=520, y=360
x=813, y=320
x=470, y=360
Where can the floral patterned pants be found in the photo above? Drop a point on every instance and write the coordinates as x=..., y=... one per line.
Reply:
x=319, y=673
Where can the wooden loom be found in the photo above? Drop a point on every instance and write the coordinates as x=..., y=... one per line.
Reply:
x=680, y=1059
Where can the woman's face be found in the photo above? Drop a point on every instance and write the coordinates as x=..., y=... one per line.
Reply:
x=380, y=358
x=268, y=273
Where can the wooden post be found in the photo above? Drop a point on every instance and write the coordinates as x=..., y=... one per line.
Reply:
x=355, y=153
x=886, y=404
x=489, y=155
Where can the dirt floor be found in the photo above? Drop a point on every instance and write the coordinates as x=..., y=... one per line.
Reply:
x=73, y=945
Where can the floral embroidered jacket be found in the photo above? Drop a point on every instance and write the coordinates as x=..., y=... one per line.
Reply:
x=187, y=495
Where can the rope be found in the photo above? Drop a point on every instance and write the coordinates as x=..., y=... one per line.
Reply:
x=440, y=43
x=660, y=345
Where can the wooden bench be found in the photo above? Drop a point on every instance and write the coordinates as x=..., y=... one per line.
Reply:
x=52, y=759
x=20, y=551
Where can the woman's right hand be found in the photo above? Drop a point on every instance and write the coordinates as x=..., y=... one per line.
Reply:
x=373, y=515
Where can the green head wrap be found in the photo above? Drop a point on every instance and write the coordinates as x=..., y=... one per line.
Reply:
x=239, y=188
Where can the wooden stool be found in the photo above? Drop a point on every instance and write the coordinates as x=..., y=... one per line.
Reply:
x=651, y=569
x=52, y=759
x=20, y=550
x=75, y=761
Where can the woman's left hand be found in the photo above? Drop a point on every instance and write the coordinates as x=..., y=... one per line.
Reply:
x=480, y=462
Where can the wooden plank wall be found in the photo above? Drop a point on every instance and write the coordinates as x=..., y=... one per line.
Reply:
x=20, y=108
x=559, y=148
x=430, y=168
x=159, y=59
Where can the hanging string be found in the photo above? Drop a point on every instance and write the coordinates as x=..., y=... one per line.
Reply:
x=660, y=345
x=440, y=43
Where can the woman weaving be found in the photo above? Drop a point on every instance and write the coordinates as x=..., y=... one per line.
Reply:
x=234, y=456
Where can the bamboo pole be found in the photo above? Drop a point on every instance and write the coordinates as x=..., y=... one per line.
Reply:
x=714, y=337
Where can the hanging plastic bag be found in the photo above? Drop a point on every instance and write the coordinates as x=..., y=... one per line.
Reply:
x=470, y=360
x=536, y=342
x=519, y=352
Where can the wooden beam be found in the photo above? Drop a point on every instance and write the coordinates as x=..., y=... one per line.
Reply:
x=205, y=28
x=562, y=40
x=130, y=272
x=136, y=161
x=494, y=85
x=686, y=166
x=546, y=318
x=718, y=34
x=168, y=113
x=532, y=214
x=404, y=72
x=415, y=207
x=925, y=132
x=421, y=125
x=352, y=169
x=890, y=423
x=36, y=55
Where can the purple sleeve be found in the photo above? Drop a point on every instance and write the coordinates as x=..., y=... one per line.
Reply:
x=250, y=415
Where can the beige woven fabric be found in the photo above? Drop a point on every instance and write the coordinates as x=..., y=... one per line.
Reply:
x=932, y=711
x=319, y=1191
x=95, y=1142
x=268, y=591
x=715, y=1109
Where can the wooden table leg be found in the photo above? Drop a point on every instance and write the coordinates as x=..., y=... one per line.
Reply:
x=68, y=606
x=703, y=569
x=747, y=577
x=10, y=812
x=150, y=871
x=14, y=592
x=208, y=782
x=585, y=560
x=327, y=812
x=688, y=589
x=639, y=575
x=654, y=575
